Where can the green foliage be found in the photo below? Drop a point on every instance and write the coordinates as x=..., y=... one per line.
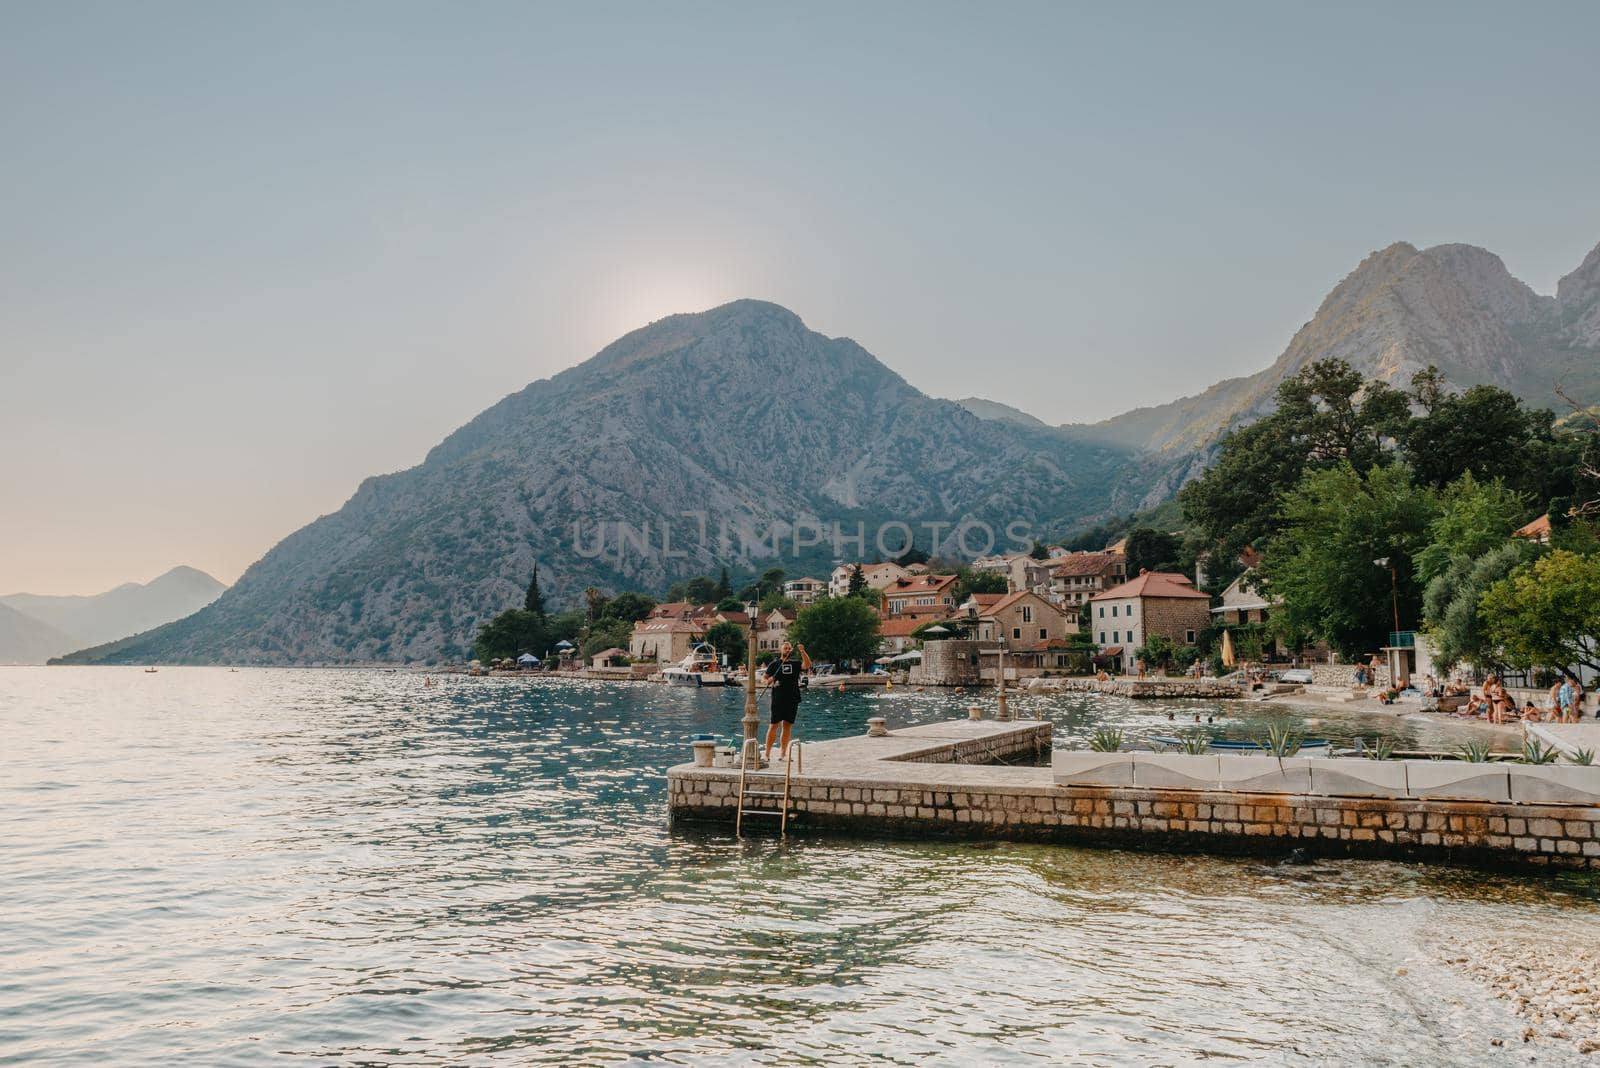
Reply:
x=606, y=634
x=1536, y=752
x=969, y=582
x=1382, y=747
x=1039, y=551
x=533, y=599
x=1582, y=756
x=858, y=582
x=1336, y=524
x=1106, y=740
x=1281, y=740
x=1195, y=742
x=1547, y=614
x=517, y=631
x=729, y=640
x=730, y=604
x=776, y=600
x=1450, y=605
x=1474, y=517
x=912, y=555
x=629, y=606
x=1157, y=651
x=1489, y=433
x=1153, y=550
x=1475, y=751
x=837, y=629
x=724, y=589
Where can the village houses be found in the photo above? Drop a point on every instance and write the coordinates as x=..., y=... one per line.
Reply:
x=1076, y=577
x=772, y=628
x=876, y=576
x=1125, y=617
x=804, y=591
x=920, y=592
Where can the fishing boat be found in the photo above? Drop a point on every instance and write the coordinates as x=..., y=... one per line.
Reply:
x=699, y=668
x=1225, y=746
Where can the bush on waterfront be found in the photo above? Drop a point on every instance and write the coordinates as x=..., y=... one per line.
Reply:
x=1547, y=613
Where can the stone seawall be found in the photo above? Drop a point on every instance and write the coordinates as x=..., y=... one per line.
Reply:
x=1458, y=832
x=1150, y=688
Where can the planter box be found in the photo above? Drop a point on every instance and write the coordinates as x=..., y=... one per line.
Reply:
x=1555, y=784
x=1265, y=774
x=1077, y=768
x=1358, y=778
x=1175, y=771
x=1457, y=779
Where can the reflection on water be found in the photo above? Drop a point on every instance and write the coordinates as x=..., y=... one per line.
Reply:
x=344, y=866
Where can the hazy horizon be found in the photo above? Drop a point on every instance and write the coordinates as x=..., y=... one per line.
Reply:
x=257, y=254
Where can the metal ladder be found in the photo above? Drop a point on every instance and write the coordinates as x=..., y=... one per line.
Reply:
x=746, y=782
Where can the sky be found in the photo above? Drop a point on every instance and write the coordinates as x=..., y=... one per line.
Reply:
x=251, y=254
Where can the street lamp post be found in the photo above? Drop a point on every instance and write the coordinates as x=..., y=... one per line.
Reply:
x=1002, y=712
x=751, y=758
x=1394, y=592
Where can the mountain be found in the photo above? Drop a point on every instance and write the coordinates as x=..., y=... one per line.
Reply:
x=26, y=640
x=117, y=613
x=1004, y=413
x=1401, y=309
x=738, y=415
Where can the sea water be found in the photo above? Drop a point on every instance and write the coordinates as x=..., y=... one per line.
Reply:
x=208, y=867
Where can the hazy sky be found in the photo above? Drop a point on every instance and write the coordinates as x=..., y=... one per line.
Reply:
x=252, y=253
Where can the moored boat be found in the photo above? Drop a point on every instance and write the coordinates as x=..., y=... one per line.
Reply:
x=699, y=668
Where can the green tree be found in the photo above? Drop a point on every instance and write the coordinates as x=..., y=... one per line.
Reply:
x=594, y=603
x=728, y=639
x=730, y=604
x=858, y=582
x=1490, y=433
x=1336, y=524
x=1450, y=604
x=1474, y=517
x=1153, y=550
x=608, y=633
x=724, y=588
x=629, y=606
x=969, y=582
x=837, y=629
x=776, y=600
x=1547, y=614
x=1039, y=551
x=511, y=633
x=533, y=600
x=1157, y=651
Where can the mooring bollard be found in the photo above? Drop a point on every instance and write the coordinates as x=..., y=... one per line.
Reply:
x=877, y=728
x=974, y=711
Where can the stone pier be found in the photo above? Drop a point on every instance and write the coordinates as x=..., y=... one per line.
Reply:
x=966, y=779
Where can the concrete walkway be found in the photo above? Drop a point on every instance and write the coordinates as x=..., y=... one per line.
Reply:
x=1568, y=737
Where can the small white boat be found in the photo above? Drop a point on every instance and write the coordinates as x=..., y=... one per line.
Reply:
x=699, y=668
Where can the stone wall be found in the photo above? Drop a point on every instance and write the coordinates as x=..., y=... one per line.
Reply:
x=1343, y=676
x=1160, y=687
x=1174, y=617
x=953, y=662
x=1031, y=743
x=1463, y=832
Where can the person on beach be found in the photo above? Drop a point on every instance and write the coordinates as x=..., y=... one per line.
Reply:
x=1530, y=713
x=783, y=678
x=1567, y=702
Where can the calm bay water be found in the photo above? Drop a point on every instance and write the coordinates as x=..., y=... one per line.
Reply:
x=212, y=867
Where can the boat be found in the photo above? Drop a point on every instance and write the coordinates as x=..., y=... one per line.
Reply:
x=699, y=668
x=149, y=671
x=1227, y=746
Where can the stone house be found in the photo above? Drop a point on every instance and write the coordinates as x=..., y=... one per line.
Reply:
x=771, y=629
x=666, y=641
x=1024, y=622
x=915, y=593
x=877, y=576
x=1125, y=617
x=1079, y=576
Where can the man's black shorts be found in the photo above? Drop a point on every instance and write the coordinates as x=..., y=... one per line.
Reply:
x=785, y=706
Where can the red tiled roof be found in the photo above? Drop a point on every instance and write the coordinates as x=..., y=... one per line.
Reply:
x=1153, y=584
x=668, y=626
x=1084, y=564
x=1538, y=530
x=919, y=584
x=1012, y=598
x=902, y=626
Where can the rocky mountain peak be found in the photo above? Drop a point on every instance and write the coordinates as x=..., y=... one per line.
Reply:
x=1578, y=298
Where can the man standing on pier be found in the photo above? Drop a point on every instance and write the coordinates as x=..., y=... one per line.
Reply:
x=783, y=678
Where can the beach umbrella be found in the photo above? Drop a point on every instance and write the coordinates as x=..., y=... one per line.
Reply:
x=937, y=629
x=563, y=644
x=1228, y=659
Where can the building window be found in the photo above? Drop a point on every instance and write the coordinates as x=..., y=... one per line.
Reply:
x=1188, y=637
x=1113, y=611
x=1027, y=613
x=1114, y=636
x=1102, y=611
x=1102, y=637
x=1016, y=633
x=1042, y=634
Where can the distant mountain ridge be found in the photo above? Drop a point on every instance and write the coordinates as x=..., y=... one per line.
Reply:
x=25, y=640
x=117, y=613
x=739, y=415
x=742, y=415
